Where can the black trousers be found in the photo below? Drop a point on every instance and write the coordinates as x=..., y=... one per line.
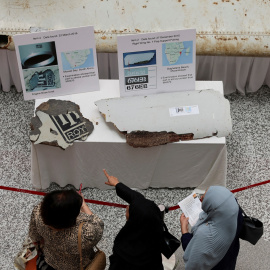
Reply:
x=116, y=263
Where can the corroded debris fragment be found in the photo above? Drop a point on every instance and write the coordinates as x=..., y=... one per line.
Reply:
x=59, y=123
x=147, y=139
x=168, y=117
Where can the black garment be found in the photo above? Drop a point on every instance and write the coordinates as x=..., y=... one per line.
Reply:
x=185, y=238
x=117, y=262
x=229, y=260
x=42, y=264
x=138, y=244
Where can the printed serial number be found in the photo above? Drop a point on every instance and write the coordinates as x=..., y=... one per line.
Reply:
x=136, y=86
x=136, y=79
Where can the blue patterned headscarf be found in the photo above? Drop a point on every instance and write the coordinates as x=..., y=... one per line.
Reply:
x=214, y=231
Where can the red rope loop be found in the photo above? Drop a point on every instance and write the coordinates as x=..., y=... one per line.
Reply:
x=33, y=192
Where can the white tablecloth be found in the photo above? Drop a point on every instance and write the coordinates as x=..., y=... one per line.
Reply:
x=197, y=163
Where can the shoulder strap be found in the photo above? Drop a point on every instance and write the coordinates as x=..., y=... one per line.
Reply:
x=243, y=212
x=165, y=227
x=80, y=244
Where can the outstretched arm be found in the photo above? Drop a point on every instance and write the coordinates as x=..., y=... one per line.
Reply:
x=112, y=180
x=122, y=190
x=85, y=208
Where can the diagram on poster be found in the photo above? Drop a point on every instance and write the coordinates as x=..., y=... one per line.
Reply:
x=56, y=63
x=157, y=62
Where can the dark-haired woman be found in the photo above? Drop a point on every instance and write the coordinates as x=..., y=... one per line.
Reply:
x=138, y=244
x=55, y=222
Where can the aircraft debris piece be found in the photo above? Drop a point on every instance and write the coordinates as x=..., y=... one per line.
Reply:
x=59, y=123
x=168, y=117
x=147, y=139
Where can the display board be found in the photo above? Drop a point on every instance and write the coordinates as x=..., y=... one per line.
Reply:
x=56, y=63
x=224, y=27
x=157, y=62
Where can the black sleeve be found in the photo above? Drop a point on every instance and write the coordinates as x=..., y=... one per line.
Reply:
x=127, y=193
x=185, y=238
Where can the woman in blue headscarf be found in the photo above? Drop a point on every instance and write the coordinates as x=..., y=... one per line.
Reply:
x=214, y=240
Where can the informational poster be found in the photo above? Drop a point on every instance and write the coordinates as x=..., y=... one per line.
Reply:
x=157, y=62
x=56, y=63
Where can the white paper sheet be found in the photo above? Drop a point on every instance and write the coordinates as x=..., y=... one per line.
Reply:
x=191, y=207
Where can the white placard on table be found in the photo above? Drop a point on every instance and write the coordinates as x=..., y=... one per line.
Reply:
x=56, y=63
x=157, y=62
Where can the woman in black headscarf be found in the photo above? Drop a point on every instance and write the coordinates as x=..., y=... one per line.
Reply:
x=138, y=244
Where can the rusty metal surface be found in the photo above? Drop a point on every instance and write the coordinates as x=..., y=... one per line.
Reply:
x=148, y=139
x=224, y=27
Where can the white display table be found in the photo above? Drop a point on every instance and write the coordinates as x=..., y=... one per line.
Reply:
x=197, y=163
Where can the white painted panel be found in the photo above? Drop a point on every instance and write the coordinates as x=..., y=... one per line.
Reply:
x=204, y=113
x=225, y=27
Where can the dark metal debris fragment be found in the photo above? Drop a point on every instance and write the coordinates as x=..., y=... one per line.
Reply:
x=59, y=123
x=148, y=139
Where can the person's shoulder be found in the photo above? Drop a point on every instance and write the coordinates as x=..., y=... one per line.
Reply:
x=92, y=225
x=36, y=209
x=36, y=214
x=89, y=220
x=205, y=230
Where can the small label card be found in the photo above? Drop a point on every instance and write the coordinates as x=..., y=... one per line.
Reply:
x=184, y=110
x=56, y=63
x=157, y=62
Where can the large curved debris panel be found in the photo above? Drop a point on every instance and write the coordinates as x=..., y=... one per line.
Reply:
x=201, y=113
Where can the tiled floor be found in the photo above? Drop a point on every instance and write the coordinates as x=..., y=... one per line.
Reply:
x=248, y=163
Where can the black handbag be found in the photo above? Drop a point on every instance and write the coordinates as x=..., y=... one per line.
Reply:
x=252, y=229
x=169, y=243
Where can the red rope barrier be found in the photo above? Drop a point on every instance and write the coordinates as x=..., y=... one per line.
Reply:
x=251, y=186
x=23, y=190
x=233, y=191
x=33, y=192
